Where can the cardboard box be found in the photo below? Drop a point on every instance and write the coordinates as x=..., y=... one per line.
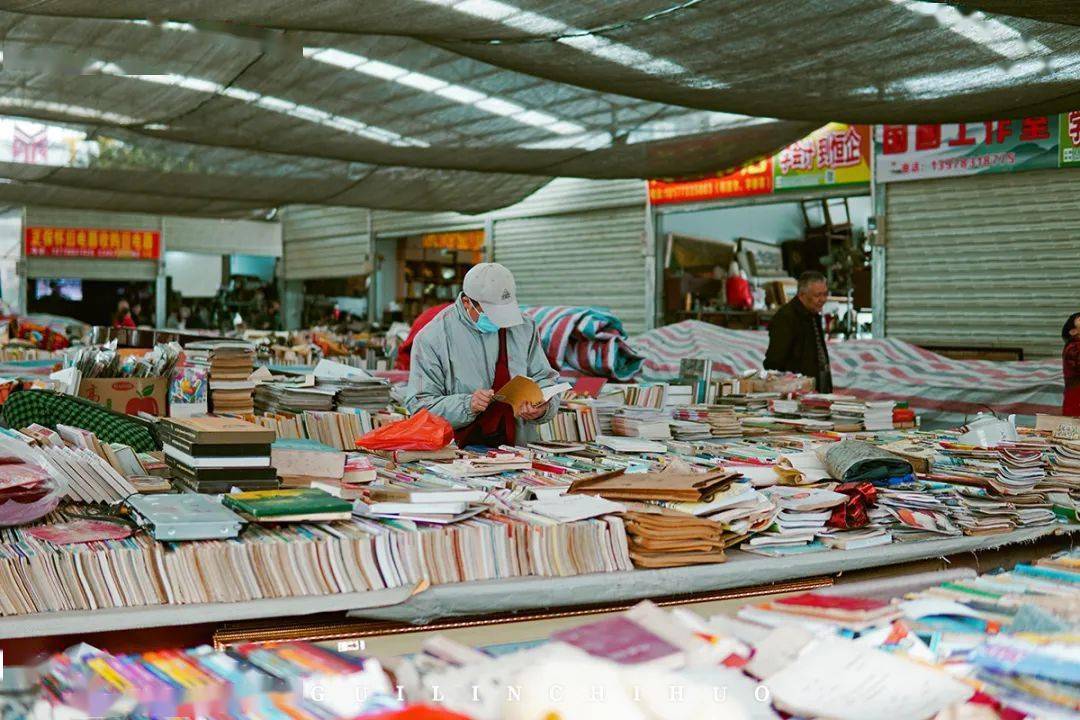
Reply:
x=128, y=395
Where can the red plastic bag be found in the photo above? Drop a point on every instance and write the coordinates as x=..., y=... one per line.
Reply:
x=739, y=295
x=422, y=431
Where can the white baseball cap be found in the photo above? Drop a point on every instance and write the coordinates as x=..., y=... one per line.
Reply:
x=492, y=285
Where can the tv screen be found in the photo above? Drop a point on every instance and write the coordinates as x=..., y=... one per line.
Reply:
x=66, y=288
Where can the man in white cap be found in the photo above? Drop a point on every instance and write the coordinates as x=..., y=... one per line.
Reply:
x=472, y=348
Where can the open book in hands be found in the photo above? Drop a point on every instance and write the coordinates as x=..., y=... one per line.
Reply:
x=521, y=390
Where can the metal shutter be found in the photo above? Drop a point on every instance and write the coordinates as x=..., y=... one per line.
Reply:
x=203, y=235
x=324, y=242
x=585, y=258
x=984, y=260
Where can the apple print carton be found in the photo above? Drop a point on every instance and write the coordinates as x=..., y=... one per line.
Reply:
x=128, y=395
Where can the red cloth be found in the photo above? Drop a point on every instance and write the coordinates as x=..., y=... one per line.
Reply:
x=852, y=514
x=495, y=426
x=125, y=322
x=405, y=351
x=1070, y=369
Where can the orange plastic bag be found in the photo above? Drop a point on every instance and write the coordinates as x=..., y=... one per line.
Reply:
x=422, y=431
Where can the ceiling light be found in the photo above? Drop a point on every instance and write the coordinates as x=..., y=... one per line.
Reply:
x=381, y=70
x=460, y=94
x=421, y=82
x=499, y=107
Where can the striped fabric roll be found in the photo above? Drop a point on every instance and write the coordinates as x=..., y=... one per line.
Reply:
x=587, y=339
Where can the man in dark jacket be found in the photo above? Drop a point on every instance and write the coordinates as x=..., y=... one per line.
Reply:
x=796, y=339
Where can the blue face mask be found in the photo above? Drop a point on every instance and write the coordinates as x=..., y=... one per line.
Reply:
x=484, y=324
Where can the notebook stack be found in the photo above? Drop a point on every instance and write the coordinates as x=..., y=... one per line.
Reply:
x=231, y=365
x=216, y=454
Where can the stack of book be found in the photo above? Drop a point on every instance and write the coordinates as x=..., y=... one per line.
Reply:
x=690, y=430
x=216, y=454
x=299, y=462
x=644, y=396
x=831, y=612
x=339, y=430
x=574, y=422
x=274, y=397
x=370, y=395
x=803, y=512
x=722, y=420
x=231, y=364
x=668, y=538
x=403, y=501
x=641, y=422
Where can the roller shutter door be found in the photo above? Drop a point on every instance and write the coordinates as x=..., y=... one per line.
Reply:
x=324, y=242
x=984, y=260
x=585, y=258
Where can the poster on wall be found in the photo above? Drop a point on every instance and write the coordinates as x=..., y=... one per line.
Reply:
x=836, y=154
x=920, y=152
x=97, y=243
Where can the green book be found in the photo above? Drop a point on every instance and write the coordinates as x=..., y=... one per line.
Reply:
x=289, y=505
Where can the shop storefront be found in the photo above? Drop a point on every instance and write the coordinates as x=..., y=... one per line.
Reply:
x=81, y=264
x=980, y=227
x=805, y=208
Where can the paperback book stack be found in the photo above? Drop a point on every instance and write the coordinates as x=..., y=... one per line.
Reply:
x=641, y=422
x=353, y=394
x=803, y=512
x=231, y=365
x=273, y=397
x=575, y=422
x=216, y=454
x=721, y=419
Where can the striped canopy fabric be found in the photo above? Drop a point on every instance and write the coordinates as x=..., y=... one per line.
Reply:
x=939, y=388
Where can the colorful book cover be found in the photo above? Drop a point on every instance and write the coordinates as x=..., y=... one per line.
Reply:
x=285, y=502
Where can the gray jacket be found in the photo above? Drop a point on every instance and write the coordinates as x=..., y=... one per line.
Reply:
x=451, y=359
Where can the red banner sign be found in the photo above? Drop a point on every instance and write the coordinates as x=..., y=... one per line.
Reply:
x=100, y=243
x=754, y=179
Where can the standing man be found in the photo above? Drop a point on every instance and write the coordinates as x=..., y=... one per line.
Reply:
x=796, y=338
x=471, y=349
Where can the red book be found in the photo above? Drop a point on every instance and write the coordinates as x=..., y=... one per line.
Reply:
x=833, y=602
x=589, y=386
x=621, y=640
